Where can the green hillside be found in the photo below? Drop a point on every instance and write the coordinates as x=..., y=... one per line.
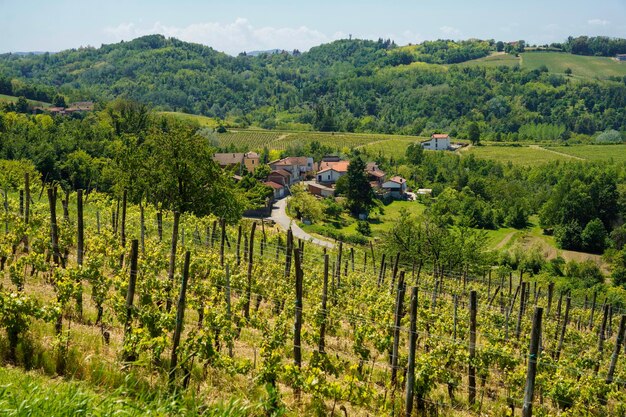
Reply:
x=596, y=67
x=12, y=99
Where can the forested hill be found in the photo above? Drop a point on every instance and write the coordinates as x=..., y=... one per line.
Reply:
x=348, y=85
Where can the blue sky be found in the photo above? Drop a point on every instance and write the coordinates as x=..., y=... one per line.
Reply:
x=236, y=25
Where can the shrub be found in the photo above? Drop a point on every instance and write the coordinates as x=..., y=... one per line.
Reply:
x=609, y=136
x=363, y=227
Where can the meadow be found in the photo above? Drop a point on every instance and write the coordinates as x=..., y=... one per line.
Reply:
x=616, y=153
x=517, y=155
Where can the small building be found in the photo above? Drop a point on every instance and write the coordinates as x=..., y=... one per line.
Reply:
x=375, y=175
x=424, y=191
x=321, y=190
x=437, y=142
x=251, y=161
x=330, y=172
x=226, y=160
x=298, y=166
x=279, y=189
x=396, y=186
x=621, y=57
x=280, y=176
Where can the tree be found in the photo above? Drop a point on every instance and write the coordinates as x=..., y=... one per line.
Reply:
x=473, y=132
x=415, y=153
x=593, y=237
x=568, y=71
x=59, y=101
x=499, y=46
x=609, y=136
x=359, y=191
x=568, y=235
x=304, y=205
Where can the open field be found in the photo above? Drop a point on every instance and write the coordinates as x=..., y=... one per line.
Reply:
x=13, y=99
x=391, y=148
x=581, y=66
x=494, y=60
x=517, y=155
x=557, y=62
x=201, y=120
x=595, y=152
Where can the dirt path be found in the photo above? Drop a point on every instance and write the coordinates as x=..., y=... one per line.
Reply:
x=557, y=152
x=506, y=239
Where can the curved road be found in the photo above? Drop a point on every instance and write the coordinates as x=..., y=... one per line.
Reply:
x=280, y=217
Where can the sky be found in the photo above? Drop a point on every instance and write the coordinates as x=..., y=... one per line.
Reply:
x=234, y=26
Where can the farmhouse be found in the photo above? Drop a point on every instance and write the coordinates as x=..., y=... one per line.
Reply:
x=279, y=189
x=437, y=142
x=621, y=57
x=321, y=190
x=280, y=176
x=226, y=160
x=396, y=187
x=330, y=172
x=298, y=166
x=375, y=175
x=251, y=161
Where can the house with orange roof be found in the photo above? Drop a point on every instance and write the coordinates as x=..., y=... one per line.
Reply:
x=437, y=142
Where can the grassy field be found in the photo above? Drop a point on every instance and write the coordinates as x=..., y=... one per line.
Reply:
x=494, y=60
x=395, y=148
x=581, y=66
x=616, y=153
x=13, y=99
x=557, y=62
x=517, y=155
x=201, y=120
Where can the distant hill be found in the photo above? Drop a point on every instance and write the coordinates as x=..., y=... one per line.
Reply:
x=346, y=85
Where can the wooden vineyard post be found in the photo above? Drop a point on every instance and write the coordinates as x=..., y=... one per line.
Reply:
x=601, y=338
x=373, y=257
x=558, y=315
x=568, y=303
x=54, y=228
x=160, y=225
x=80, y=248
x=26, y=207
x=410, y=373
x=228, y=308
x=618, y=346
x=338, y=266
x=322, y=343
x=80, y=228
x=172, y=265
x=288, y=253
x=246, y=307
x=123, y=231
x=381, y=274
x=593, y=310
x=239, y=245
x=535, y=337
x=472, y=348
x=142, y=226
x=297, y=348
x=130, y=295
x=352, y=258
x=180, y=318
x=518, y=327
x=394, y=273
x=396, y=328
x=222, y=240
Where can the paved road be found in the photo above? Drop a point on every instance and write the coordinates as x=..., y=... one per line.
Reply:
x=279, y=215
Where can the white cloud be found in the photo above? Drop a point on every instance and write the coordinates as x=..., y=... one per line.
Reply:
x=450, y=31
x=231, y=38
x=598, y=22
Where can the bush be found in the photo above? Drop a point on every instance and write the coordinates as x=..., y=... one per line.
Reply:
x=593, y=238
x=609, y=136
x=363, y=227
x=568, y=235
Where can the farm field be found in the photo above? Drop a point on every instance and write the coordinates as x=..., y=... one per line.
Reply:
x=595, y=152
x=517, y=155
x=581, y=66
x=13, y=99
x=203, y=121
x=557, y=62
x=391, y=148
x=494, y=60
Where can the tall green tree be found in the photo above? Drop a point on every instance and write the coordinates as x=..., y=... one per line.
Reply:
x=359, y=192
x=473, y=133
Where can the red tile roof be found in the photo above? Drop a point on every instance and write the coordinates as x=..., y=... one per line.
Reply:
x=341, y=166
x=274, y=185
x=397, y=179
x=440, y=136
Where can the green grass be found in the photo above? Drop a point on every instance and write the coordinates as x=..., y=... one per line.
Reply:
x=581, y=66
x=13, y=99
x=201, y=120
x=517, y=155
x=31, y=394
x=494, y=60
x=394, y=148
x=557, y=62
x=616, y=153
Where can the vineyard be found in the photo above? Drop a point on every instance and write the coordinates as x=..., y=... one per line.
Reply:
x=277, y=140
x=104, y=291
